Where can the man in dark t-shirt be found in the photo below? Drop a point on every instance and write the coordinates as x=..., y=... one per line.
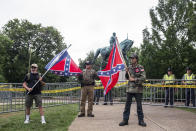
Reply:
x=35, y=93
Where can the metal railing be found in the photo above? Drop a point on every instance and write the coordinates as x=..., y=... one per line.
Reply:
x=12, y=95
x=174, y=93
x=155, y=92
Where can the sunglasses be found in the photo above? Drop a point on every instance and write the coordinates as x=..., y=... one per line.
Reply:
x=33, y=67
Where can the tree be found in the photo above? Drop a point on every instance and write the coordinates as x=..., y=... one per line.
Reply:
x=90, y=57
x=5, y=44
x=169, y=43
x=44, y=43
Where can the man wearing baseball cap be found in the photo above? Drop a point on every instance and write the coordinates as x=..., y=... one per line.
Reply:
x=190, y=92
x=135, y=89
x=33, y=94
x=87, y=79
x=168, y=79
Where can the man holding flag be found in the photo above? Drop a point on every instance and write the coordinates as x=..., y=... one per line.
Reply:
x=136, y=76
x=62, y=64
x=109, y=75
x=29, y=81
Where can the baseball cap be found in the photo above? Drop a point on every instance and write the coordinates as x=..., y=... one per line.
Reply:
x=134, y=56
x=34, y=65
x=169, y=69
x=188, y=68
x=88, y=63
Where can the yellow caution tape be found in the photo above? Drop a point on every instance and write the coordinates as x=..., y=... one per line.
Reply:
x=117, y=85
x=173, y=86
x=44, y=91
x=98, y=87
x=3, y=86
x=60, y=90
x=12, y=89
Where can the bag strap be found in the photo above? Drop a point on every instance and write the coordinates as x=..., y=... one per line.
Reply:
x=28, y=76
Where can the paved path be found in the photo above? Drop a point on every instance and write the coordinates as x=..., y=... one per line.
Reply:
x=157, y=118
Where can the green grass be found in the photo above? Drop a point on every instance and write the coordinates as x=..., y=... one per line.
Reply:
x=58, y=118
x=193, y=110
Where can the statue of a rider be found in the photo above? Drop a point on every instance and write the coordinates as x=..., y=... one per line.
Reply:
x=112, y=40
x=108, y=49
x=105, y=51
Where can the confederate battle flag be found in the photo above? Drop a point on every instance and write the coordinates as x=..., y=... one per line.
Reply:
x=63, y=65
x=109, y=76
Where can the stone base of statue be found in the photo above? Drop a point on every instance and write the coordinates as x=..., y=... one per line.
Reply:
x=122, y=76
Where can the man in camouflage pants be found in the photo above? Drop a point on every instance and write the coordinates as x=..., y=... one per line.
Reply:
x=136, y=79
x=87, y=79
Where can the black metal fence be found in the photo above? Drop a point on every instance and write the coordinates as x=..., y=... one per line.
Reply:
x=12, y=95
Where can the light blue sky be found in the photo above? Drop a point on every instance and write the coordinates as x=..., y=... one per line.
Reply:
x=86, y=24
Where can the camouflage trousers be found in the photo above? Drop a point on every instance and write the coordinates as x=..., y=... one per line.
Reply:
x=87, y=91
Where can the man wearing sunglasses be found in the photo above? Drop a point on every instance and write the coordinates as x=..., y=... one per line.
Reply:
x=33, y=94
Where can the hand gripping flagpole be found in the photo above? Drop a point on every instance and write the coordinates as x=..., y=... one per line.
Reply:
x=55, y=60
x=118, y=46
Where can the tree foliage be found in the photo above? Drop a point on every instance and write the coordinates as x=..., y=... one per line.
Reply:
x=27, y=38
x=5, y=44
x=169, y=44
x=90, y=57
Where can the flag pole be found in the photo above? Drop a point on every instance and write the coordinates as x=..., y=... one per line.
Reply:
x=56, y=59
x=118, y=46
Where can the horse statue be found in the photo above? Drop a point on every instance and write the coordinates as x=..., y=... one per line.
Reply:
x=105, y=51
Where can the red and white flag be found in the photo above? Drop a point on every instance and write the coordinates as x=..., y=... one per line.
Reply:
x=109, y=75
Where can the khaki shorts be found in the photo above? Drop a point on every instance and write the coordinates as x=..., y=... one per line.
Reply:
x=29, y=100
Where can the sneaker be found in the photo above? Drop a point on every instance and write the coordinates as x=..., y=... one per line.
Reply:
x=26, y=122
x=43, y=122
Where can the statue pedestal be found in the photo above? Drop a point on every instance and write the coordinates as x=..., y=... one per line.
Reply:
x=122, y=76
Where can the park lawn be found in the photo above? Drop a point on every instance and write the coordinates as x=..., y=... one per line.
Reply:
x=58, y=118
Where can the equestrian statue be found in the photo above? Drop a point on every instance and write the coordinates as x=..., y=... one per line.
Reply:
x=105, y=51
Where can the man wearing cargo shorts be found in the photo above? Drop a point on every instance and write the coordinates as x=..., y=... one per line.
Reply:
x=35, y=93
x=87, y=79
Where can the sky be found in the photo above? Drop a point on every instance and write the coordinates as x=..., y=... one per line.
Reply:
x=85, y=24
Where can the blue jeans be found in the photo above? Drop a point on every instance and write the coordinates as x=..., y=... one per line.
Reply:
x=97, y=94
x=108, y=97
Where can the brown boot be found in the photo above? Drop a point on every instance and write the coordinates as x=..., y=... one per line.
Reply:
x=91, y=115
x=81, y=115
